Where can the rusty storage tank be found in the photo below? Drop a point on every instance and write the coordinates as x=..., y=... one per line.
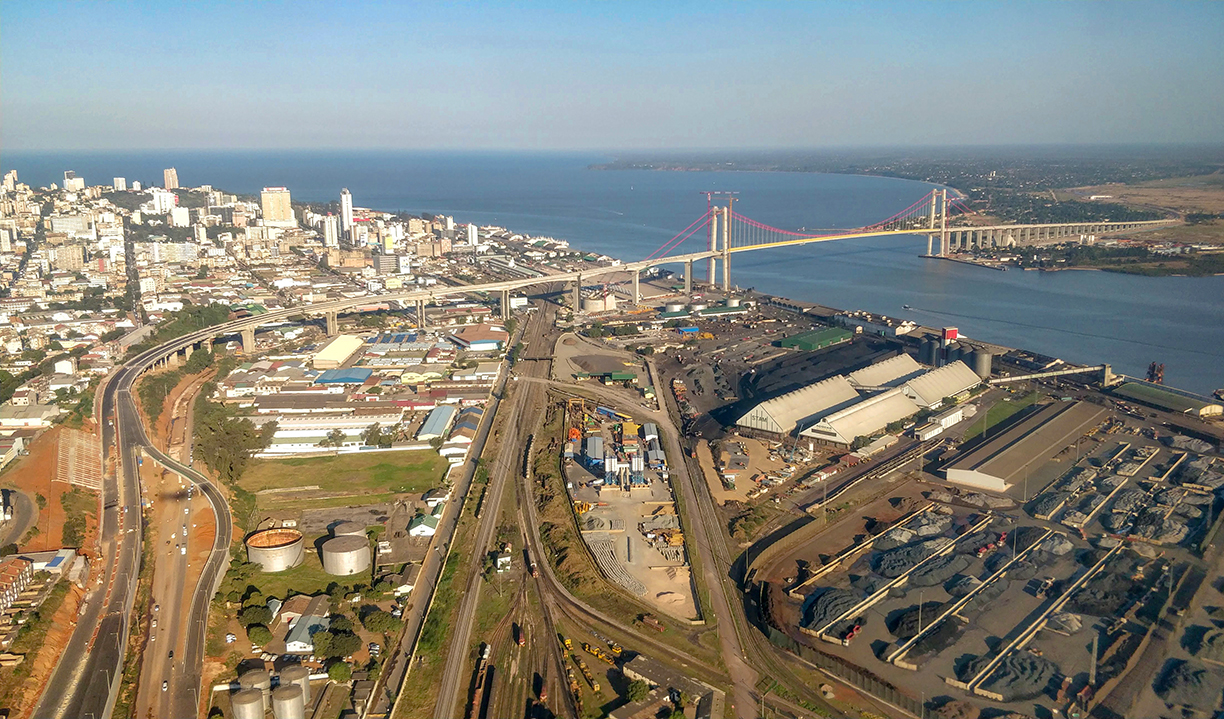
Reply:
x=247, y=704
x=260, y=681
x=275, y=550
x=299, y=676
x=982, y=361
x=346, y=555
x=287, y=702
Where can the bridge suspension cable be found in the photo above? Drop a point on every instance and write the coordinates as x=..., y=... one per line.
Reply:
x=681, y=236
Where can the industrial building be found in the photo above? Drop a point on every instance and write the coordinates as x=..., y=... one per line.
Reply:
x=782, y=415
x=998, y=464
x=889, y=373
x=335, y=353
x=302, y=629
x=347, y=375
x=862, y=419
x=951, y=380
x=480, y=338
x=437, y=423
x=1160, y=397
x=816, y=339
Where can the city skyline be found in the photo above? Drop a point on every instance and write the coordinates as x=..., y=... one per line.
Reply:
x=623, y=77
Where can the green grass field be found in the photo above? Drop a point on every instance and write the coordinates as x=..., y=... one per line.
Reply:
x=306, y=578
x=375, y=477
x=1000, y=413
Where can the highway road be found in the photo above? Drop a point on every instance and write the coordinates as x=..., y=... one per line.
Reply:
x=87, y=676
x=523, y=415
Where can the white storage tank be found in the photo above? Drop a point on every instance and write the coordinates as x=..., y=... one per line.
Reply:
x=287, y=702
x=674, y=307
x=346, y=555
x=351, y=529
x=733, y=302
x=260, y=681
x=247, y=704
x=299, y=676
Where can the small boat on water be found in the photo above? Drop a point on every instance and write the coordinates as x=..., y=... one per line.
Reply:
x=906, y=307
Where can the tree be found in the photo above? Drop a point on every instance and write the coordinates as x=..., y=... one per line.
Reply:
x=342, y=644
x=322, y=642
x=254, y=615
x=339, y=672
x=334, y=438
x=341, y=623
x=379, y=622
x=637, y=691
x=372, y=436
x=259, y=634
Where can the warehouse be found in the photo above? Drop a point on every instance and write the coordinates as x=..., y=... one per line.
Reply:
x=437, y=423
x=348, y=375
x=781, y=415
x=889, y=373
x=817, y=339
x=335, y=353
x=863, y=419
x=1162, y=398
x=998, y=464
x=951, y=380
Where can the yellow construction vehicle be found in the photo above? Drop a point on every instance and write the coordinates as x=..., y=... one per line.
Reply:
x=598, y=653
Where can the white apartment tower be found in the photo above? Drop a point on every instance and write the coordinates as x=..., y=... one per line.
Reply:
x=277, y=208
x=170, y=175
x=331, y=231
x=471, y=234
x=120, y=184
x=346, y=212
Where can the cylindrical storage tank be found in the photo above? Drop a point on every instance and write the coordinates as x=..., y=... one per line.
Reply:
x=287, y=702
x=347, y=555
x=697, y=307
x=982, y=361
x=247, y=704
x=953, y=353
x=928, y=351
x=275, y=550
x=733, y=302
x=260, y=681
x=351, y=529
x=674, y=307
x=299, y=676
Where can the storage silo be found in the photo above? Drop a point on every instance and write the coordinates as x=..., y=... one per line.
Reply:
x=299, y=676
x=674, y=307
x=952, y=353
x=928, y=352
x=733, y=302
x=260, y=681
x=349, y=529
x=275, y=550
x=346, y=555
x=287, y=702
x=698, y=306
x=247, y=704
x=982, y=361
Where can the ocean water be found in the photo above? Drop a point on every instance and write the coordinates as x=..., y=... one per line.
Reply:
x=1088, y=317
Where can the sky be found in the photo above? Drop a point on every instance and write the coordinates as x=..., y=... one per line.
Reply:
x=608, y=75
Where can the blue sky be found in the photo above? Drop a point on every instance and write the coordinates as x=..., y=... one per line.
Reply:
x=616, y=75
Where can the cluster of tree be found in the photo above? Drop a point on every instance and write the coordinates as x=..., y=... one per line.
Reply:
x=1199, y=218
x=183, y=322
x=155, y=388
x=597, y=330
x=378, y=621
x=224, y=441
x=1025, y=207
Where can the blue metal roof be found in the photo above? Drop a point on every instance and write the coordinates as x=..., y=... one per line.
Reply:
x=345, y=375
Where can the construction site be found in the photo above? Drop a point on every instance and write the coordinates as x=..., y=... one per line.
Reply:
x=617, y=476
x=1041, y=599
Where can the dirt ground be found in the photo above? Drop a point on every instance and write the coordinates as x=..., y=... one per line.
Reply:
x=35, y=475
x=1184, y=194
x=44, y=663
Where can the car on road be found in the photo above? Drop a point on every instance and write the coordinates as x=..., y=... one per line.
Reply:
x=171, y=654
x=157, y=607
x=155, y=623
x=165, y=686
x=183, y=549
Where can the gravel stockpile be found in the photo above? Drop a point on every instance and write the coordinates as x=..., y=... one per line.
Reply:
x=827, y=606
x=1024, y=536
x=1056, y=544
x=1065, y=622
x=1019, y=676
x=1047, y=503
x=1211, y=646
x=1190, y=685
x=1180, y=441
x=893, y=538
x=895, y=562
x=1091, y=502
x=938, y=571
x=1110, y=482
x=905, y=625
x=1102, y=596
x=961, y=584
x=1128, y=500
x=1152, y=524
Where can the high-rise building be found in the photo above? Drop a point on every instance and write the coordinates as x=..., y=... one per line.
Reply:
x=331, y=231
x=163, y=201
x=72, y=183
x=120, y=184
x=346, y=212
x=136, y=186
x=10, y=181
x=277, y=210
x=471, y=234
x=450, y=223
x=180, y=217
x=171, y=178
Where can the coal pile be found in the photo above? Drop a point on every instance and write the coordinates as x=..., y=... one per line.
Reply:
x=904, y=626
x=1047, y=503
x=1103, y=596
x=895, y=562
x=827, y=606
x=1190, y=685
x=1153, y=525
x=938, y=571
x=1019, y=676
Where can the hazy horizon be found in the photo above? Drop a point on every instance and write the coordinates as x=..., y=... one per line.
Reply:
x=625, y=77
